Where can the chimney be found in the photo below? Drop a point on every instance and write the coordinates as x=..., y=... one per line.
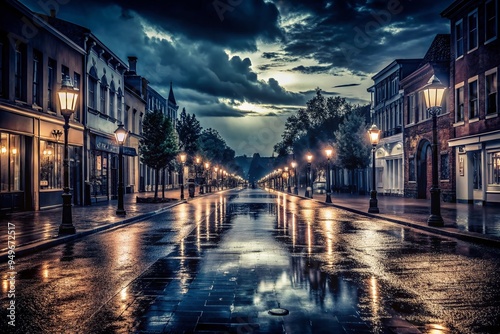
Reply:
x=52, y=12
x=132, y=64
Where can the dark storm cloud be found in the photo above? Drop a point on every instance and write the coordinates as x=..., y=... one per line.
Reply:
x=312, y=69
x=362, y=35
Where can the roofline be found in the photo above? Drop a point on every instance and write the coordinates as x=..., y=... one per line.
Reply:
x=426, y=67
x=394, y=63
x=42, y=23
x=104, y=47
x=452, y=7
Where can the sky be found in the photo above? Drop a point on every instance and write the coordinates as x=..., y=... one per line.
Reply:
x=243, y=66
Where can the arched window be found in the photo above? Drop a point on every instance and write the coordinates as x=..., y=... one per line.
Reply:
x=103, y=94
x=93, y=78
x=112, y=94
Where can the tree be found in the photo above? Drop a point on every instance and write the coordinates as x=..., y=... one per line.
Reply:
x=312, y=127
x=213, y=146
x=158, y=145
x=189, y=131
x=353, y=146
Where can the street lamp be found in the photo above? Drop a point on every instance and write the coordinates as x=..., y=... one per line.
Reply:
x=120, y=135
x=288, y=188
x=207, y=184
x=433, y=93
x=68, y=95
x=295, y=186
x=374, y=134
x=197, y=166
x=182, y=156
x=328, y=199
x=308, y=176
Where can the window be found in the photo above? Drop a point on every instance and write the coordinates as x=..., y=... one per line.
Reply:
x=491, y=20
x=76, y=84
x=459, y=39
x=473, y=107
x=477, y=182
x=119, y=106
x=64, y=72
x=92, y=93
x=112, y=95
x=37, y=77
x=491, y=93
x=472, y=37
x=459, y=96
x=411, y=169
x=19, y=73
x=445, y=166
x=50, y=84
x=104, y=92
x=494, y=168
x=51, y=165
x=411, y=112
x=10, y=162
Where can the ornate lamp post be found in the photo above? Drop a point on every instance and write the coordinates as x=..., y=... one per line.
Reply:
x=295, y=185
x=68, y=95
x=207, y=180
x=120, y=135
x=196, y=168
x=433, y=92
x=182, y=156
x=374, y=134
x=308, y=176
x=328, y=199
x=216, y=169
x=288, y=187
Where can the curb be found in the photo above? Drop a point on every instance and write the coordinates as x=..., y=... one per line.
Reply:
x=444, y=231
x=49, y=243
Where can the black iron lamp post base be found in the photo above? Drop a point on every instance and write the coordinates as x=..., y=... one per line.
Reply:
x=373, y=203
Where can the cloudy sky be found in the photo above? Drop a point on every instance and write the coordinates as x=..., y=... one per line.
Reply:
x=242, y=66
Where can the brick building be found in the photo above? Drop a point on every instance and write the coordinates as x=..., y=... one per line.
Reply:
x=475, y=60
x=418, y=126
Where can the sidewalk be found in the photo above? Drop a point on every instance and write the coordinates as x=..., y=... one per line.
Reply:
x=38, y=230
x=470, y=222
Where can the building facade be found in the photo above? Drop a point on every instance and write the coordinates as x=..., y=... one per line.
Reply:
x=475, y=61
x=34, y=58
x=387, y=114
x=418, y=127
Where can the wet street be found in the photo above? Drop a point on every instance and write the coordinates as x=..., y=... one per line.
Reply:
x=220, y=263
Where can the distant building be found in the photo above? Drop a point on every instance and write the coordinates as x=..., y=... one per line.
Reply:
x=387, y=114
x=474, y=100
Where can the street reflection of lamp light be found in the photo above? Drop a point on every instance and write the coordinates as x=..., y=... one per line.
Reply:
x=295, y=185
x=328, y=152
x=374, y=134
x=433, y=93
x=182, y=156
x=68, y=96
x=308, y=176
x=120, y=135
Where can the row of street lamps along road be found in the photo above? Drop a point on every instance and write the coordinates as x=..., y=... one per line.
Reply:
x=280, y=177
x=433, y=93
x=68, y=96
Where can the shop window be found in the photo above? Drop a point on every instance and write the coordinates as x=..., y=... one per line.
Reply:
x=10, y=162
x=477, y=182
x=445, y=167
x=491, y=93
x=473, y=101
x=51, y=165
x=491, y=20
x=494, y=168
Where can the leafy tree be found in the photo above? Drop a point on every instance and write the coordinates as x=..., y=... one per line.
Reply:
x=353, y=146
x=213, y=146
x=189, y=131
x=158, y=145
x=312, y=127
